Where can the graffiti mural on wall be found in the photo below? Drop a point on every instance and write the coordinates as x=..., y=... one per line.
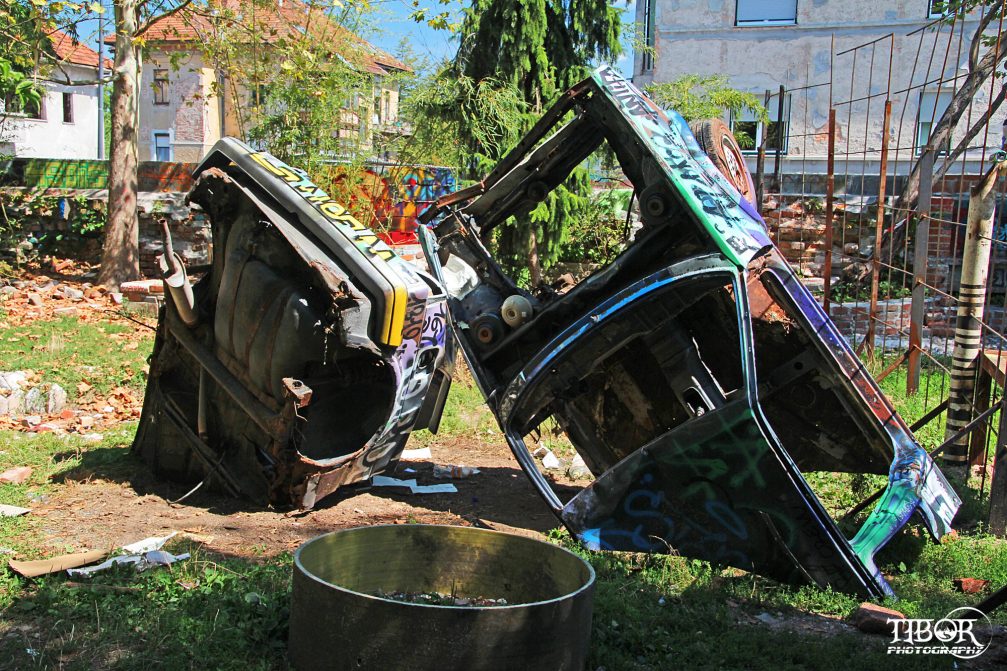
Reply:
x=403, y=193
x=397, y=195
x=41, y=173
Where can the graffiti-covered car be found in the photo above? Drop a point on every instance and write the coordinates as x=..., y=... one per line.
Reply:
x=305, y=354
x=695, y=374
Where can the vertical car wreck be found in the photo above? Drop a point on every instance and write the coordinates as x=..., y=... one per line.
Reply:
x=695, y=374
x=305, y=354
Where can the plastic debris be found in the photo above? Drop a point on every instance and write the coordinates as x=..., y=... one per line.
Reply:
x=384, y=481
x=148, y=544
x=550, y=461
x=454, y=472
x=578, y=470
x=143, y=562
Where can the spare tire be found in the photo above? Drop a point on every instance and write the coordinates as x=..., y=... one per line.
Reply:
x=717, y=141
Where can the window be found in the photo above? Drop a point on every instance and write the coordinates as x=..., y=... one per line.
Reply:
x=67, y=108
x=932, y=107
x=162, y=146
x=259, y=95
x=12, y=105
x=745, y=125
x=160, y=87
x=937, y=8
x=649, y=31
x=762, y=12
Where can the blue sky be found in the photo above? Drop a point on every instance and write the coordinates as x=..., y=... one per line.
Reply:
x=391, y=25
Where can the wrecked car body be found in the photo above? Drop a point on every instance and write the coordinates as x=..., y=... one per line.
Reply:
x=305, y=354
x=695, y=374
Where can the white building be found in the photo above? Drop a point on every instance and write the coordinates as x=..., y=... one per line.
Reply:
x=809, y=47
x=65, y=124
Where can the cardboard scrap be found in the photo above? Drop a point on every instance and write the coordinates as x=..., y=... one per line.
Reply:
x=33, y=569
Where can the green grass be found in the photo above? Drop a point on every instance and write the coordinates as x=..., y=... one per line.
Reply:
x=204, y=613
x=68, y=351
x=217, y=612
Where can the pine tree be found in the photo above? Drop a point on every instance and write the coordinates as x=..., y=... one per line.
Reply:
x=541, y=48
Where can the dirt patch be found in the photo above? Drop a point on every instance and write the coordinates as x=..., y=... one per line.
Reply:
x=95, y=508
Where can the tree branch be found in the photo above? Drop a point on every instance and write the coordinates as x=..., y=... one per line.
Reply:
x=972, y=132
x=142, y=28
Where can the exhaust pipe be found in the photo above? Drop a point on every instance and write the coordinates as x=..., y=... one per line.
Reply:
x=176, y=281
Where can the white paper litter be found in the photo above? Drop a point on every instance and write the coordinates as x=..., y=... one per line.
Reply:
x=148, y=544
x=12, y=511
x=549, y=461
x=143, y=561
x=416, y=455
x=384, y=481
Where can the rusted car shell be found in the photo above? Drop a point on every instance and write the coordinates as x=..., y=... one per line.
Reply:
x=695, y=374
x=313, y=350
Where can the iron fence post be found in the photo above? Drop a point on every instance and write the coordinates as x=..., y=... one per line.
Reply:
x=872, y=313
x=918, y=305
x=830, y=185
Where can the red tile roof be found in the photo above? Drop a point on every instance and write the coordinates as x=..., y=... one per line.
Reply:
x=69, y=50
x=279, y=20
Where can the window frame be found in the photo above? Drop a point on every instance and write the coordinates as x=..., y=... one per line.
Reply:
x=918, y=148
x=11, y=108
x=160, y=86
x=170, y=135
x=738, y=23
x=68, y=115
x=649, y=36
x=760, y=127
x=933, y=13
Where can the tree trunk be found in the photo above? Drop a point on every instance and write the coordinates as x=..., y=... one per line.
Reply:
x=534, y=265
x=120, y=260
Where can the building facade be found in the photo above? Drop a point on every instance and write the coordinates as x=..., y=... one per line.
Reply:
x=850, y=55
x=65, y=123
x=187, y=102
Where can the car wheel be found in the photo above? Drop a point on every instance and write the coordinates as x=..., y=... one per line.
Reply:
x=717, y=141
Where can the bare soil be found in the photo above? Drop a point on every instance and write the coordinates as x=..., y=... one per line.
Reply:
x=114, y=501
x=96, y=508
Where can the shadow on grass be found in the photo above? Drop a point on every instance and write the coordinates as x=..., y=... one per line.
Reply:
x=120, y=465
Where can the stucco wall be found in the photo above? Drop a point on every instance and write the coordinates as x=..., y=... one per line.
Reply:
x=699, y=36
x=190, y=115
x=51, y=137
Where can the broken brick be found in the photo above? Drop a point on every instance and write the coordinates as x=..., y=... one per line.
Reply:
x=873, y=619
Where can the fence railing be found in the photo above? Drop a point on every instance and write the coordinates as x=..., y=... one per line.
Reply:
x=916, y=279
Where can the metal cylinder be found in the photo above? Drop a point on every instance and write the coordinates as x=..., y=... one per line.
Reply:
x=338, y=620
x=516, y=310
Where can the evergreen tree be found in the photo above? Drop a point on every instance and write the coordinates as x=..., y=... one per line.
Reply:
x=540, y=48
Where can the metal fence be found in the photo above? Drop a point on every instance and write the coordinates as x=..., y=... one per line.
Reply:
x=918, y=286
